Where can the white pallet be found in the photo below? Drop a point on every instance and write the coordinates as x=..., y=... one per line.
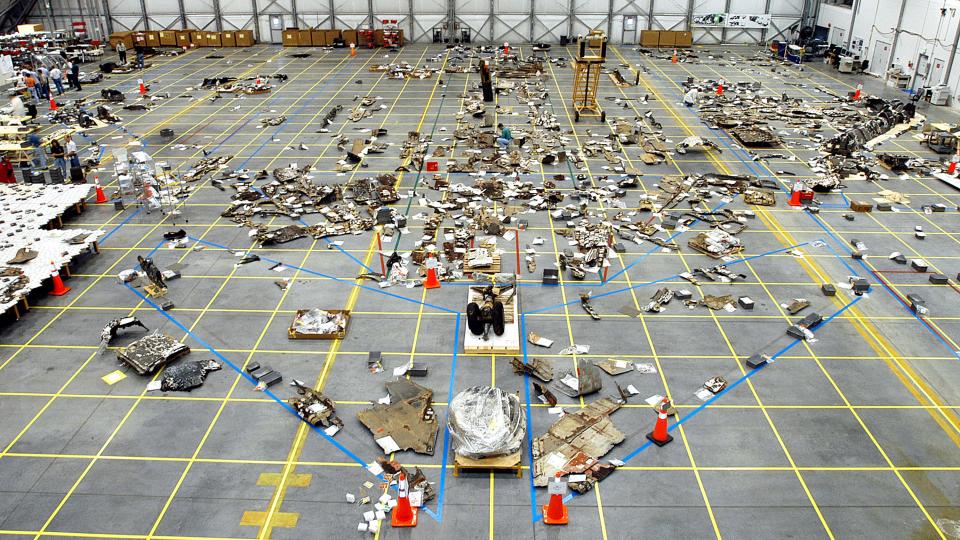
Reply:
x=507, y=344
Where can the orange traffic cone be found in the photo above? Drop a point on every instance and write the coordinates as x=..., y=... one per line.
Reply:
x=555, y=513
x=53, y=103
x=952, y=167
x=403, y=515
x=101, y=197
x=59, y=289
x=353, y=49
x=796, y=194
x=143, y=88
x=856, y=93
x=720, y=88
x=659, y=435
x=674, y=58
x=506, y=48
x=432, y=281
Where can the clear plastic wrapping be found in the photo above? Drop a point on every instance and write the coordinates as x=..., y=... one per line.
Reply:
x=486, y=422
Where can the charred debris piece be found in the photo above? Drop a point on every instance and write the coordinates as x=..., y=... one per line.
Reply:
x=406, y=422
x=315, y=408
x=112, y=328
x=147, y=354
x=187, y=375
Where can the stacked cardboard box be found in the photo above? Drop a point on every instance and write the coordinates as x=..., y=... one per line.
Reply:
x=168, y=38
x=244, y=38
x=228, y=39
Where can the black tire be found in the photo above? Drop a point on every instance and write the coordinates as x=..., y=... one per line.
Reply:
x=498, y=322
x=603, y=117
x=474, y=319
x=576, y=116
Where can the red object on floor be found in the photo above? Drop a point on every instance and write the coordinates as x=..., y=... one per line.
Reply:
x=143, y=88
x=720, y=89
x=659, y=436
x=53, y=103
x=59, y=289
x=856, y=94
x=433, y=166
x=952, y=167
x=555, y=513
x=403, y=515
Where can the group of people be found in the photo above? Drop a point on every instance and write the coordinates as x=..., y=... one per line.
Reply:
x=39, y=82
x=122, y=53
x=60, y=152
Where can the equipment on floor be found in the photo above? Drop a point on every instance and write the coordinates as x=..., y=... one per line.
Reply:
x=940, y=94
x=591, y=54
x=391, y=34
x=487, y=312
x=940, y=139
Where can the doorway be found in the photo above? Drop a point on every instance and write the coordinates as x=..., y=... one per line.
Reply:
x=629, y=36
x=838, y=37
x=881, y=55
x=920, y=75
x=936, y=72
x=276, y=28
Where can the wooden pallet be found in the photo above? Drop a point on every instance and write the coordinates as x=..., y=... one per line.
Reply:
x=511, y=462
x=508, y=343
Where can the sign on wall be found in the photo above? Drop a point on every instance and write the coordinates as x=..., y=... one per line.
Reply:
x=731, y=20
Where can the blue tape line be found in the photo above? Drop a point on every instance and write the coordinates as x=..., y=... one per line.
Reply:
x=526, y=397
x=739, y=381
x=249, y=378
x=117, y=228
x=446, y=432
x=339, y=280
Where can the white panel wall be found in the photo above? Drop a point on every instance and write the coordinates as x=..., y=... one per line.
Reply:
x=925, y=32
x=511, y=22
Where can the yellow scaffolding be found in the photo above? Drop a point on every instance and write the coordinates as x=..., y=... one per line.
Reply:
x=591, y=54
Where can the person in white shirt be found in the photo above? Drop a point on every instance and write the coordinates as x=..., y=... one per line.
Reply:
x=70, y=148
x=56, y=77
x=690, y=98
x=17, y=109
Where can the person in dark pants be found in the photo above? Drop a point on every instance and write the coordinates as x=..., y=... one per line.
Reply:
x=122, y=53
x=75, y=73
x=139, y=51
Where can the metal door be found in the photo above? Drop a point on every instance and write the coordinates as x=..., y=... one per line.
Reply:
x=838, y=37
x=936, y=72
x=276, y=28
x=629, y=36
x=920, y=77
x=881, y=55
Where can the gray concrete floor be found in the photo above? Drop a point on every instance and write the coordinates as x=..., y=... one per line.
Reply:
x=854, y=435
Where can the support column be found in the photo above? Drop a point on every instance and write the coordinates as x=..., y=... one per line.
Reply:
x=411, y=20
x=953, y=53
x=146, y=20
x=493, y=21
x=896, y=35
x=853, y=20
x=256, y=20
x=107, y=16
x=650, y=15
x=370, y=19
x=610, y=22
x=723, y=31
x=533, y=17
x=763, y=33
x=571, y=15
x=217, y=16
x=293, y=11
x=690, y=16
x=183, y=15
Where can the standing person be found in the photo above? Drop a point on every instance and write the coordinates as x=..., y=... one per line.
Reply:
x=75, y=71
x=17, y=110
x=56, y=77
x=71, y=151
x=57, y=151
x=122, y=53
x=43, y=82
x=31, y=83
x=39, y=156
x=139, y=50
x=70, y=74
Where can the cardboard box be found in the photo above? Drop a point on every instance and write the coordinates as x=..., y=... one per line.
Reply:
x=349, y=36
x=304, y=39
x=650, y=38
x=331, y=35
x=152, y=38
x=29, y=28
x=378, y=37
x=125, y=37
x=198, y=38
x=244, y=38
x=168, y=38
x=139, y=38
x=213, y=39
x=183, y=38
x=684, y=38
x=318, y=38
x=228, y=39
x=667, y=39
x=291, y=37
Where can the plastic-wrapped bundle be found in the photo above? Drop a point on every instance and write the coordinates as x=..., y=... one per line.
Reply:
x=486, y=422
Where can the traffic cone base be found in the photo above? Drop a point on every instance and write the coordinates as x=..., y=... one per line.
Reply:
x=664, y=442
x=59, y=289
x=432, y=282
x=101, y=196
x=563, y=519
x=395, y=520
x=952, y=167
x=795, y=199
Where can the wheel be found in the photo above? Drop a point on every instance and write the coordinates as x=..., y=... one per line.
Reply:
x=576, y=116
x=603, y=117
x=498, y=322
x=474, y=319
